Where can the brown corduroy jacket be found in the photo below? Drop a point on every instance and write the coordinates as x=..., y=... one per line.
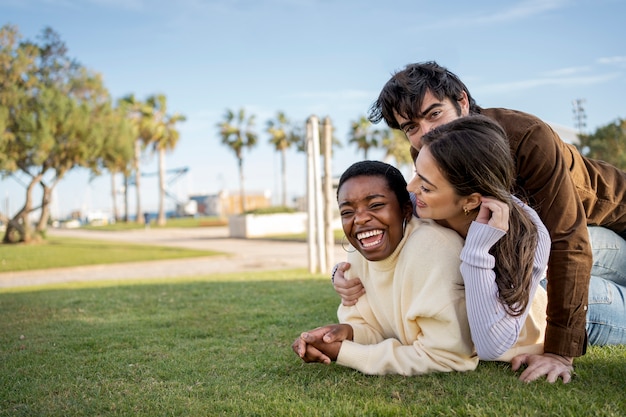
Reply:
x=569, y=192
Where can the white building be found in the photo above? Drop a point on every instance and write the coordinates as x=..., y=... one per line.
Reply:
x=567, y=134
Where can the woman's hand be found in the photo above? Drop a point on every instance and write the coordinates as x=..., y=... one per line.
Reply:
x=493, y=212
x=322, y=344
x=348, y=290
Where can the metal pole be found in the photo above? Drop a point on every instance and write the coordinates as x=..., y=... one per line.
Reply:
x=317, y=181
x=310, y=198
x=329, y=200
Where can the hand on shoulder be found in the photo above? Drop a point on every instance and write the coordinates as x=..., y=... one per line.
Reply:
x=349, y=290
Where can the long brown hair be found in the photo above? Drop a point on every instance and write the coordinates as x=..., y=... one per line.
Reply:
x=473, y=154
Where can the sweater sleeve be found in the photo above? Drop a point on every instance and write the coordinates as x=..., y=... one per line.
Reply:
x=434, y=335
x=390, y=356
x=494, y=330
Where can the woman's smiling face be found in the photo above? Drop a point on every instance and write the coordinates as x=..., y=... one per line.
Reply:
x=435, y=197
x=371, y=216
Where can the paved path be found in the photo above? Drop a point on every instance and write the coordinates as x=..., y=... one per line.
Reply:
x=239, y=255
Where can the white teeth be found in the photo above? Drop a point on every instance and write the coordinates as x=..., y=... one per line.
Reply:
x=370, y=233
x=367, y=245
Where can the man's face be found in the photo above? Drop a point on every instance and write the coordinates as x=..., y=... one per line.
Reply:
x=434, y=112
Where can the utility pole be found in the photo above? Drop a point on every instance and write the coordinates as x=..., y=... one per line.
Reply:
x=580, y=118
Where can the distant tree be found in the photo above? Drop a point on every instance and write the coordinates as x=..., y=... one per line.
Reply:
x=283, y=136
x=18, y=76
x=396, y=146
x=52, y=122
x=135, y=111
x=159, y=132
x=363, y=136
x=300, y=132
x=118, y=152
x=79, y=134
x=237, y=132
x=607, y=143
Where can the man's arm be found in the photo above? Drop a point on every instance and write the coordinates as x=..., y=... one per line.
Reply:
x=553, y=366
x=543, y=164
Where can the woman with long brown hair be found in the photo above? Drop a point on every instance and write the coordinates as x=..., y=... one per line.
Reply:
x=464, y=177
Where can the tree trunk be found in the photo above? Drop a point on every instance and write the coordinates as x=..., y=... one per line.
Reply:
x=161, y=216
x=18, y=229
x=283, y=157
x=42, y=224
x=242, y=192
x=139, y=215
x=126, y=185
x=114, y=197
x=46, y=199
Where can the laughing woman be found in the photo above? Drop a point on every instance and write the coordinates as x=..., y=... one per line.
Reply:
x=412, y=319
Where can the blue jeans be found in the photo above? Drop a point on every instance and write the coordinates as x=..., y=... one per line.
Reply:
x=606, y=314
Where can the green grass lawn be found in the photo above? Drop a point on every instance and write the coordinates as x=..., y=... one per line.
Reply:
x=220, y=346
x=57, y=252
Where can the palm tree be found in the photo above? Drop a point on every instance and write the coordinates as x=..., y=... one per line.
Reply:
x=117, y=156
x=237, y=132
x=282, y=136
x=396, y=145
x=135, y=109
x=159, y=131
x=299, y=132
x=362, y=135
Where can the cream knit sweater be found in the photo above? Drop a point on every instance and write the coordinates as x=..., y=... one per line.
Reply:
x=412, y=319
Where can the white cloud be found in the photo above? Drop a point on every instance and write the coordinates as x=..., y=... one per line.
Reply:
x=521, y=10
x=613, y=60
x=547, y=81
x=562, y=72
x=121, y=4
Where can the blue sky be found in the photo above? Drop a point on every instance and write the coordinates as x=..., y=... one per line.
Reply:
x=319, y=57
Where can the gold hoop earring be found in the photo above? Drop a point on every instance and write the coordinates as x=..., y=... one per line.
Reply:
x=349, y=245
x=465, y=211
